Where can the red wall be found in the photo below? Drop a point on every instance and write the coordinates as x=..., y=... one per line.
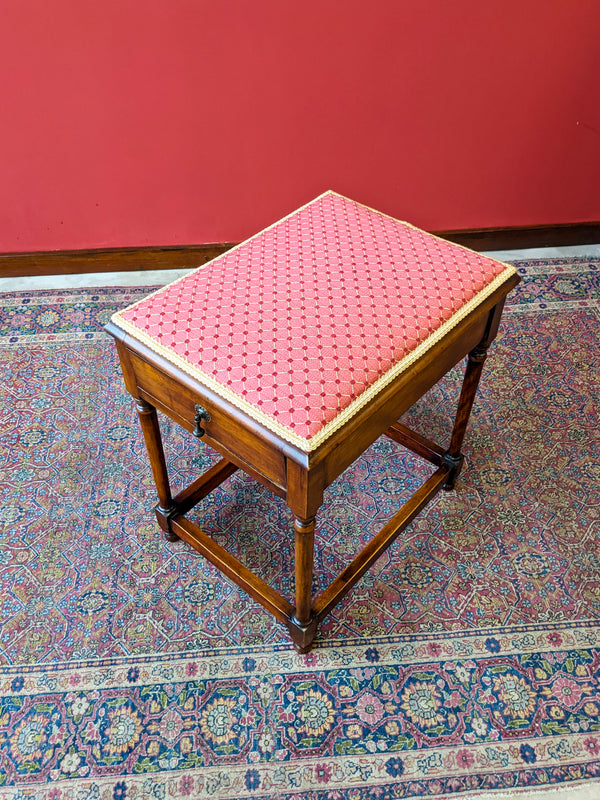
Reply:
x=132, y=122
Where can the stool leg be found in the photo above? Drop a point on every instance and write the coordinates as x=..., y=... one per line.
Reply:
x=151, y=431
x=453, y=457
x=304, y=624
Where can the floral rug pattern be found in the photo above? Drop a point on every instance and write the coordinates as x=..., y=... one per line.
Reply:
x=465, y=660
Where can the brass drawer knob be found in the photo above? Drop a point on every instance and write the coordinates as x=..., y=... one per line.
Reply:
x=201, y=414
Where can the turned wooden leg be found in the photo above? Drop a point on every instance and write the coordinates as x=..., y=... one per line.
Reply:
x=304, y=623
x=453, y=457
x=151, y=431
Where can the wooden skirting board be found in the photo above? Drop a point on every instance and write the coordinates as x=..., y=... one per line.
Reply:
x=115, y=259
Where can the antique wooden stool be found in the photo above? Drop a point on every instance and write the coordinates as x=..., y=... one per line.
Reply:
x=292, y=353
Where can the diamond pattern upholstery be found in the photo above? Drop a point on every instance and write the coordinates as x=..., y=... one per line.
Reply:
x=303, y=323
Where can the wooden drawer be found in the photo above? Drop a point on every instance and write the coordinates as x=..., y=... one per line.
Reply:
x=234, y=440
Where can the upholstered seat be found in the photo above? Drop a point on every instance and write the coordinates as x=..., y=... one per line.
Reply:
x=306, y=322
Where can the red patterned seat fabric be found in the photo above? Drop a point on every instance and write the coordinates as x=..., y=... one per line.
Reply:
x=304, y=323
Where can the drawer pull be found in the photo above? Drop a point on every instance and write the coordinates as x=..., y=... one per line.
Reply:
x=201, y=414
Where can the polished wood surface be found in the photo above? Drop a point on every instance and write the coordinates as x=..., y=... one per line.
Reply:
x=301, y=477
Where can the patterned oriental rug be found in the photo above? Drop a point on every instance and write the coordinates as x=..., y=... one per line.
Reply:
x=466, y=662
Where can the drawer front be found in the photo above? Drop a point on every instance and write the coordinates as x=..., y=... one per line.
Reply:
x=225, y=434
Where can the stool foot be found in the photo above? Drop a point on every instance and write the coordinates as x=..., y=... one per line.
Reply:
x=302, y=635
x=164, y=517
x=455, y=464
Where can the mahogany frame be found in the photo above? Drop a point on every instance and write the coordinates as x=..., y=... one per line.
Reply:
x=300, y=477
